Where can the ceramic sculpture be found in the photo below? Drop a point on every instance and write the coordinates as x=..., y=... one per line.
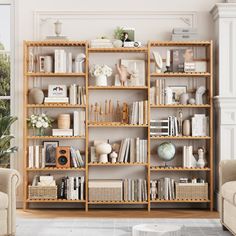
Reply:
x=199, y=93
x=113, y=157
x=201, y=163
x=153, y=190
x=36, y=96
x=103, y=149
x=123, y=73
x=186, y=128
x=79, y=60
x=158, y=61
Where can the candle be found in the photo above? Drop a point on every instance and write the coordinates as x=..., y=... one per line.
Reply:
x=168, y=58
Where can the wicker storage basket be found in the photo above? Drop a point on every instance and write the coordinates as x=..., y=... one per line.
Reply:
x=38, y=192
x=189, y=191
x=105, y=190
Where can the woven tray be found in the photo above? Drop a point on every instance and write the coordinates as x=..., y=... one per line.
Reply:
x=38, y=192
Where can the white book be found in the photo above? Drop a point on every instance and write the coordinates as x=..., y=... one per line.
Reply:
x=127, y=152
x=136, y=118
x=31, y=156
x=77, y=180
x=139, y=113
x=73, y=94
x=79, y=95
x=69, y=62
x=43, y=158
x=184, y=156
x=62, y=132
x=36, y=156
x=82, y=188
x=133, y=114
x=132, y=150
x=152, y=95
x=141, y=150
x=56, y=58
x=56, y=100
x=76, y=123
x=123, y=150
x=137, y=150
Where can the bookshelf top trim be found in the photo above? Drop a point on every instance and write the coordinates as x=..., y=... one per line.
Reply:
x=100, y=50
x=180, y=43
x=53, y=43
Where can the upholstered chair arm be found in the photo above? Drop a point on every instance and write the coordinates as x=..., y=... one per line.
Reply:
x=9, y=180
x=227, y=171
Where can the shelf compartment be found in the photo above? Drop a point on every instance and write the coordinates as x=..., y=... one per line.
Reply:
x=55, y=137
x=180, y=137
x=180, y=43
x=38, y=74
x=101, y=50
x=156, y=168
x=117, y=202
x=117, y=164
x=116, y=125
x=55, y=105
x=179, y=201
x=54, y=169
x=181, y=106
x=117, y=87
x=186, y=74
x=55, y=200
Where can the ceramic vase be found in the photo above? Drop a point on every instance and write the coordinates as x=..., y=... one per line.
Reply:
x=184, y=98
x=103, y=149
x=36, y=96
x=48, y=64
x=201, y=163
x=63, y=121
x=186, y=128
x=101, y=80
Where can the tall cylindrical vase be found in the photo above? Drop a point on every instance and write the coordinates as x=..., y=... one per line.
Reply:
x=101, y=80
x=186, y=128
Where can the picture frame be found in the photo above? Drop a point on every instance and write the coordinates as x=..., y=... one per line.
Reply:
x=177, y=91
x=50, y=152
x=128, y=37
x=57, y=90
x=41, y=64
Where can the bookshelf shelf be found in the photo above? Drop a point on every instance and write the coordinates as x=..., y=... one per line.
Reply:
x=117, y=164
x=181, y=106
x=179, y=201
x=55, y=200
x=114, y=50
x=180, y=137
x=116, y=202
x=156, y=168
x=56, y=43
x=54, y=169
x=176, y=74
x=55, y=137
x=180, y=43
x=55, y=75
x=117, y=88
x=116, y=125
x=55, y=105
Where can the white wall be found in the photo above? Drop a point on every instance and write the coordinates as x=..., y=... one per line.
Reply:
x=151, y=30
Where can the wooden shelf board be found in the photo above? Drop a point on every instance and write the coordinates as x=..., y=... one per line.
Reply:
x=53, y=43
x=117, y=87
x=55, y=137
x=179, y=43
x=100, y=50
x=176, y=74
x=179, y=137
x=55, y=105
x=156, y=168
x=55, y=169
x=54, y=200
x=38, y=74
x=116, y=125
x=117, y=164
x=116, y=202
x=179, y=201
x=181, y=106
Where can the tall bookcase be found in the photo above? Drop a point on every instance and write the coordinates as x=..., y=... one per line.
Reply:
x=150, y=170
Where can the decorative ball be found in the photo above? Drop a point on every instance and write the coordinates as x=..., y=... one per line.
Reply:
x=191, y=101
x=103, y=148
x=166, y=151
x=36, y=96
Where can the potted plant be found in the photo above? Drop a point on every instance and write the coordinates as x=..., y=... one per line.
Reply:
x=101, y=72
x=5, y=139
x=39, y=123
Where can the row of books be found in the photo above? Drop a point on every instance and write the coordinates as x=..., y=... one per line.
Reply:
x=189, y=160
x=138, y=113
x=71, y=188
x=101, y=43
x=41, y=157
x=63, y=61
x=77, y=94
x=133, y=150
x=163, y=189
x=157, y=92
x=135, y=190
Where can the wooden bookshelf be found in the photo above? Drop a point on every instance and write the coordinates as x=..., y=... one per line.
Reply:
x=148, y=169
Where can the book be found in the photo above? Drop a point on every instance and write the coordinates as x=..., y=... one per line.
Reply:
x=31, y=156
x=76, y=123
x=73, y=94
x=56, y=100
x=62, y=132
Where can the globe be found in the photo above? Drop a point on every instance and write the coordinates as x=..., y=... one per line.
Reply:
x=166, y=151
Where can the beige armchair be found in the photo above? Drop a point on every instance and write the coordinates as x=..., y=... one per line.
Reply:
x=228, y=194
x=9, y=180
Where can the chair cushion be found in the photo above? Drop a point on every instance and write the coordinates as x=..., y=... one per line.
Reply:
x=3, y=200
x=229, y=192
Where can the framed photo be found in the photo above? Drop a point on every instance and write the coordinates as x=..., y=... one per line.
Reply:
x=176, y=92
x=41, y=64
x=57, y=90
x=50, y=152
x=136, y=70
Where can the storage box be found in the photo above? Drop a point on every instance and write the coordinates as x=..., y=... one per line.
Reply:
x=42, y=192
x=190, y=191
x=105, y=190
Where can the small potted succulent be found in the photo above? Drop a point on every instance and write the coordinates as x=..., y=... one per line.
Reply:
x=39, y=123
x=100, y=72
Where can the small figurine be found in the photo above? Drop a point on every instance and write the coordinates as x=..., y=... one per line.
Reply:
x=201, y=163
x=153, y=190
x=199, y=93
x=123, y=73
x=113, y=157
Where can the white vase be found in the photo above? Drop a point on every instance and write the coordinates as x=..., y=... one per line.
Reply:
x=201, y=162
x=186, y=128
x=101, y=80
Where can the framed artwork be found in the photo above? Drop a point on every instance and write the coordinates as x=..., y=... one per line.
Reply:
x=50, y=152
x=136, y=70
x=57, y=90
x=176, y=92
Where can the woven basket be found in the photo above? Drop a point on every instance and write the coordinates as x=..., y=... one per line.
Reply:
x=189, y=191
x=39, y=192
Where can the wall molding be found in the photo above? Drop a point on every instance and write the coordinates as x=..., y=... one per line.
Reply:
x=189, y=18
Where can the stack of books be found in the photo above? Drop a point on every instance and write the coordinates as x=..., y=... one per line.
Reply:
x=101, y=43
x=135, y=190
x=77, y=95
x=157, y=92
x=184, y=34
x=62, y=61
x=189, y=160
x=138, y=113
x=71, y=188
x=200, y=125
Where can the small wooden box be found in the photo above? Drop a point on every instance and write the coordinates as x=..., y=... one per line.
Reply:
x=105, y=190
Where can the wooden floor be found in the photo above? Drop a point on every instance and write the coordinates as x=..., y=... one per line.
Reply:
x=160, y=213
